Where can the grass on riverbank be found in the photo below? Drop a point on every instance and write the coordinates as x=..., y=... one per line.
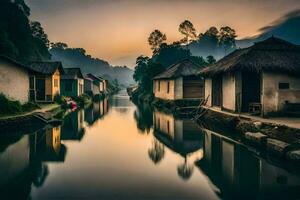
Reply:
x=11, y=107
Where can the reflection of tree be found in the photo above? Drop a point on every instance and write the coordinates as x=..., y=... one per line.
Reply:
x=156, y=152
x=185, y=170
x=144, y=118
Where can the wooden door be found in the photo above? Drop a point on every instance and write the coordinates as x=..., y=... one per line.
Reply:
x=217, y=91
x=251, y=89
x=40, y=89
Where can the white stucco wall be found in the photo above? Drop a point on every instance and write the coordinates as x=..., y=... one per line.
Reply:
x=14, y=81
x=80, y=83
x=272, y=97
x=228, y=91
x=208, y=91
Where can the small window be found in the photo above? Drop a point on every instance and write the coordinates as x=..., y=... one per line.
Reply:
x=168, y=87
x=68, y=86
x=55, y=82
x=158, y=85
x=283, y=86
x=168, y=126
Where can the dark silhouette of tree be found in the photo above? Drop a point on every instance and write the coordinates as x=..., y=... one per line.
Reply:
x=227, y=38
x=210, y=60
x=187, y=29
x=16, y=37
x=185, y=170
x=156, y=152
x=59, y=45
x=155, y=39
x=38, y=32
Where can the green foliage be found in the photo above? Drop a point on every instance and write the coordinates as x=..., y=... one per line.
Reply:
x=17, y=38
x=210, y=60
x=83, y=99
x=8, y=106
x=60, y=99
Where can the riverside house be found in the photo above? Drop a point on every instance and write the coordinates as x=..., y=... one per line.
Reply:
x=179, y=81
x=93, y=88
x=261, y=79
x=72, y=82
x=45, y=81
x=14, y=79
x=103, y=85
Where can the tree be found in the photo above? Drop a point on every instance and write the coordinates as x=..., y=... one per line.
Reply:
x=59, y=45
x=156, y=152
x=210, y=60
x=187, y=29
x=38, y=32
x=227, y=38
x=155, y=39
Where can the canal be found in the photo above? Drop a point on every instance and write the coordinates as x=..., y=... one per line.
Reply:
x=117, y=150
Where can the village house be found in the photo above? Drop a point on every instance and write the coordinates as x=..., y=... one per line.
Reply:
x=103, y=85
x=261, y=79
x=14, y=79
x=72, y=82
x=94, y=88
x=88, y=85
x=179, y=81
x=45, y=81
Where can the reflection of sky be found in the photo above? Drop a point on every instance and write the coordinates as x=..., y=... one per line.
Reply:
x=117, y=30
x=113, y=158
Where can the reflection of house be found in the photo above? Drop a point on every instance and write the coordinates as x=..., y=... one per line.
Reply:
x=72, y=82
x=50, y=147
x=14, y=79
x=73, y=127
x=181, y=135
x=262, y=78
x=240, y=174
x=45, y=81
x=97, y=110
x=179, y=82
x=14, y=160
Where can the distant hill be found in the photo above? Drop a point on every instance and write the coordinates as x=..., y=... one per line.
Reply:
x=286, y=28
x=76, y=57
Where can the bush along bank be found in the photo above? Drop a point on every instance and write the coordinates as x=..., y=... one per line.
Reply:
x=10, y=107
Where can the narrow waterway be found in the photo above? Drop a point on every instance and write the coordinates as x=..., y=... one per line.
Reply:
x=117, y=150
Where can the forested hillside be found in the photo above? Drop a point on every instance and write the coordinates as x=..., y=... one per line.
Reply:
x=77, y=57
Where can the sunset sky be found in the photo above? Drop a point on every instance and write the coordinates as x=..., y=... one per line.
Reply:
x=117, y=30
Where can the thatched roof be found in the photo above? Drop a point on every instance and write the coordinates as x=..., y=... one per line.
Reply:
x=183, y=68
x=46, y=68
x=272, y=54
x=72, y=73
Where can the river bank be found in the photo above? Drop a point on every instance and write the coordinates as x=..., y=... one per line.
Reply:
x=278, y=139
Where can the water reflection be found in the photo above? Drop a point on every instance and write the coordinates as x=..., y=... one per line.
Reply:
x=238, y=173
x=73, y=127
x=111, y=159
x=182, y=136
x=143, y=116
x=96, y=111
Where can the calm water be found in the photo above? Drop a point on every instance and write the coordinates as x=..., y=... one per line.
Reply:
x=115, y=150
